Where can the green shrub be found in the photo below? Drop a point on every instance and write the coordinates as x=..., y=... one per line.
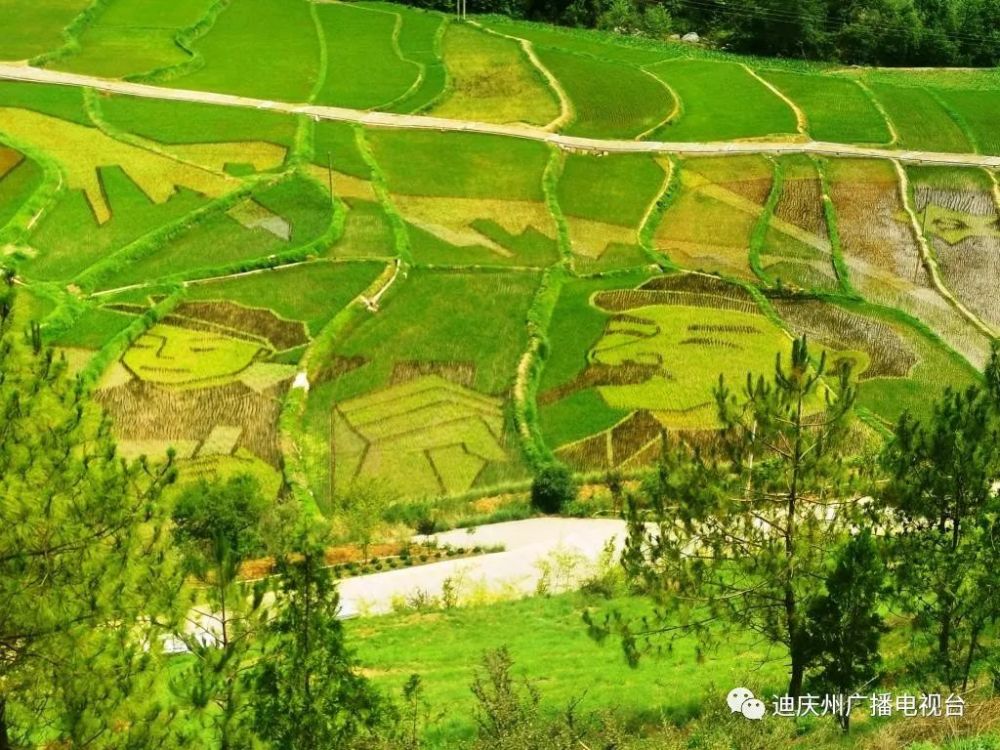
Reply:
x=554, y=486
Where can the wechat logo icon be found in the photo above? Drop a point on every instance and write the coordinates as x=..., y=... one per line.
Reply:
x=742, y=701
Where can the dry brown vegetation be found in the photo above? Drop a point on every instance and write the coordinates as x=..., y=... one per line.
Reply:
x=144, y=411
x=888, y=354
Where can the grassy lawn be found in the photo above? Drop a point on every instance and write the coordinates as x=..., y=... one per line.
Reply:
x=364, y=67
x=38, y=26
x=492, y=80
x=550, y=646
x=920, y=120
x=721, y=100
x=267, y=49
x=837, y=109
x=611, y=100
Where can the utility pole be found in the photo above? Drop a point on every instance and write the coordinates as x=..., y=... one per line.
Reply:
x=329, y=171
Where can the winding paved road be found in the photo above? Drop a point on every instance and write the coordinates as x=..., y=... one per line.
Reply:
x=21, y=72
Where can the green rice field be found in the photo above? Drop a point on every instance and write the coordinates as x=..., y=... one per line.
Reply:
x=438, y=287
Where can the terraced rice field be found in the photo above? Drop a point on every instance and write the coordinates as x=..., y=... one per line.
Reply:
x=283, y=63
x=132, y=36
x=960, y=216
x=882, y=254
x=610, y=100
x=836, y=109
x=604, y=223
x=795, y=248
x=39, y=26
x=451, y=304
x=365, y=65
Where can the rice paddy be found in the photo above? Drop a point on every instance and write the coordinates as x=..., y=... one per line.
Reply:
x=492, y=80
x=192, y=259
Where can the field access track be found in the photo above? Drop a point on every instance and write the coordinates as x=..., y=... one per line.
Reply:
x=16, y=72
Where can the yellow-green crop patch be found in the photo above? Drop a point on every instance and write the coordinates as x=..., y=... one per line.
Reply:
x=708, y=225
x=491, y=80
x=80, y=151
x=175, y=356
x=427, y=436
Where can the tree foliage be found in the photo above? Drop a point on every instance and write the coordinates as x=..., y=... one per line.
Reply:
x=86, y=575
x=944, y=508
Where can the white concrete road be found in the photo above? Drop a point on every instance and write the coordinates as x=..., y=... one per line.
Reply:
x=564, y=551
x=23, y=72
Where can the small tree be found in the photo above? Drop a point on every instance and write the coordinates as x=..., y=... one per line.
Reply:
x=844, y=627
x=552, y=488
x=361, y=509
x=308, y=694
x=218, y=524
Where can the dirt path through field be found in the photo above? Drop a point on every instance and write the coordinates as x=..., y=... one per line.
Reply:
x=15, y=72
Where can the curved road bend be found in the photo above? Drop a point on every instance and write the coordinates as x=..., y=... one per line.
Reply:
x=16, y=72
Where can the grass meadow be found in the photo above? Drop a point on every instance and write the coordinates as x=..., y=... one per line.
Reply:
x=549, y=645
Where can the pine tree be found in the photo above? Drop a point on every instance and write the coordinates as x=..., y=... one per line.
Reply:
x=86, y=578
x=741, y=542
x=844, y=627
x=943, y=507
x=218, y=526
x=308, y=693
